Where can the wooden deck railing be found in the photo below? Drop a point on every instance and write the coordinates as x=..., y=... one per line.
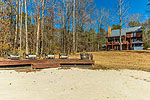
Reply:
x=116, y=43
x=130, y=36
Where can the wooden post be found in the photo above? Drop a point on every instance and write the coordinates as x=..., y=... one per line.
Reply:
x=112, y=46
x=130, y=43
x=127, y=46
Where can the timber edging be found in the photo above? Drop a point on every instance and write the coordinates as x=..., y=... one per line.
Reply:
x=46, y=63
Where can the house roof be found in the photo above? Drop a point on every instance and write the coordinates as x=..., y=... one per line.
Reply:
x=125, y=30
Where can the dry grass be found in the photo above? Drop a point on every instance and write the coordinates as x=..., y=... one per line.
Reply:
x=136, y=60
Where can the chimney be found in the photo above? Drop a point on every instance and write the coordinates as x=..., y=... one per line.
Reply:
x=109, y=31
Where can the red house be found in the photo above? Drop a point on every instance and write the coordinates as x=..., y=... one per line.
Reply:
x=131, y=39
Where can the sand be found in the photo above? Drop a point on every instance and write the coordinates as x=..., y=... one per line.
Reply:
x=75, y=84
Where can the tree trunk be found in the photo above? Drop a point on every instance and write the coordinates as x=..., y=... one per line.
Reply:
x=20, y=19
x=42, y=26
x=15, y=42
x=120, y=25
x=20, y=22
x=74, y=35
x=1, y=5
x=26, y=26
x=77, y=27
x=93, y=39
x=38, y=33
x=69, y=37
x=69, y=44
x=52, y=26
x=63, y=26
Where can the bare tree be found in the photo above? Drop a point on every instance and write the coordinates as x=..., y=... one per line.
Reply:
x=58, y=25
x=102, y=19
x=26, y=26
x=135, y=20
x=120, y=15
x=50, y=21
x=65, y=10
x=38, y=30
x=16, y=32
x=122, y=12
x=20, y=22
x=42, y=24
x=74, y=48
x=1, y=5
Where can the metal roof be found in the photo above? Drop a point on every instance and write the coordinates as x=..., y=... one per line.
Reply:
x=125, y=30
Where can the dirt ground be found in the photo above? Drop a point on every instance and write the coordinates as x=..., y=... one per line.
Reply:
x=75, y=84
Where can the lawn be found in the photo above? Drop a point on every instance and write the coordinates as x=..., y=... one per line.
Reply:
x=137, y=60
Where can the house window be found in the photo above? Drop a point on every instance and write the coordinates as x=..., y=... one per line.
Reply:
x=134, y=40
x=134, y=34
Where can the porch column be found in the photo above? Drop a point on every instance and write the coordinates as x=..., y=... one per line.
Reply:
x=127, y=46
x=112, y=46
x=130, y=43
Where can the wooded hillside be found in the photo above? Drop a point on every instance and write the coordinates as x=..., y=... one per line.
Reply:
x=51, y=26
x=54, y=26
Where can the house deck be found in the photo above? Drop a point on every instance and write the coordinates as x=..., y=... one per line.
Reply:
x=131, y=39
x=45, y=63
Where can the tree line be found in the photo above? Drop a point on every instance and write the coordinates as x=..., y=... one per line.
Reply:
x=59, y=26
x=52, y=26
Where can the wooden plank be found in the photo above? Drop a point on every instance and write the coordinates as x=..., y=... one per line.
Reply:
x=59, y=61
x=76, y=62
x=20, y=62
x=47, y=65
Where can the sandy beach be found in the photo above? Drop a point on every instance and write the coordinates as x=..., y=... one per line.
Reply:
x=75, y=84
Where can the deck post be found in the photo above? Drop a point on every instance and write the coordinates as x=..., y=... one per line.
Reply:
x=112, y=46
x=130, y=43
x=127, y=46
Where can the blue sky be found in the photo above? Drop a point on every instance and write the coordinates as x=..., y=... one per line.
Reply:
x=136, y=6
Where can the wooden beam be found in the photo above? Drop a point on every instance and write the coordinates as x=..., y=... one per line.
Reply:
x=52, y=61
x=127, y=46
x=47, y=65
x=112, y=46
